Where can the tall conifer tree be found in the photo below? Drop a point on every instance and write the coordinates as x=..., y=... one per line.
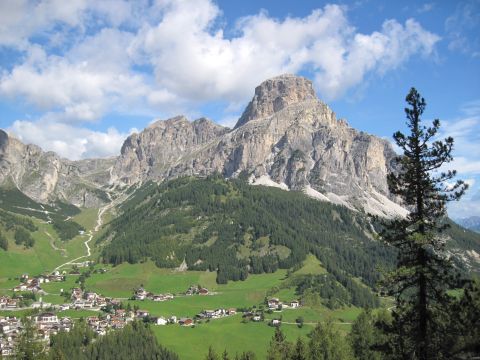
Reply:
x=424, y=273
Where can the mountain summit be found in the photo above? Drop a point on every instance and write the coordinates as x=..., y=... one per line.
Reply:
x=286, y=137
x=275, y=94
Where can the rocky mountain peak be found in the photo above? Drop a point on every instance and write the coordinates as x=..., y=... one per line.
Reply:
x=172, y=122
x=286, y=137
x=275, y=94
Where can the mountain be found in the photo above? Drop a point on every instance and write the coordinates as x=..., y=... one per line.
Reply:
x=286, y=137
x=152, y=153
x=228, y=226
x=236, y=229
x=46, y=177
x=471, y=223
x=189, y=200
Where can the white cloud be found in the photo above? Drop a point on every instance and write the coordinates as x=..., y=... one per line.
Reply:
x=463, y=28
x=193, y=60
x=466, y=134
x=84, y=59
x=201, y=63
x=21, y=19
x=83, y=84
x=427, y=7
x=69, y=141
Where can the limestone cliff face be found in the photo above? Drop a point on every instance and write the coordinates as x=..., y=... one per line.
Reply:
x=46, y=177
x=286, y=137
x=150, y=154
x=275, y=94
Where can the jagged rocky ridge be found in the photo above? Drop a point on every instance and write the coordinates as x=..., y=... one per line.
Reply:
x=286, y=137
x=46, y=177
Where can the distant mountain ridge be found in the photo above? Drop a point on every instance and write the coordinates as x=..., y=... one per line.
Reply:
x=286, y=137
x=46, y=177
x=471, y=223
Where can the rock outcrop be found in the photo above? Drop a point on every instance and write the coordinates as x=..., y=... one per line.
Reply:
x=286, y=137
x=45, y=177
x=275, y=94
x=150, y=154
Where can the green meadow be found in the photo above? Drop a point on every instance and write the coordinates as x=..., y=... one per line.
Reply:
x=232, y=334
x=229, y=333
x=42, y=257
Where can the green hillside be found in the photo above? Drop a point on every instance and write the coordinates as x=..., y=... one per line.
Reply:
x=32, y=245
x=13, y=200
x=236, y=229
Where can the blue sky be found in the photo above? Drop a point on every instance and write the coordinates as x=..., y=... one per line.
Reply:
x=78, y=76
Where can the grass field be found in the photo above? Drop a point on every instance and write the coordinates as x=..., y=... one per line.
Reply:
x=120, y=281
x=87, y=218
x=312, y=266
x=190, y=343
x=234, y=336
x=43, y=257
x=226, y=333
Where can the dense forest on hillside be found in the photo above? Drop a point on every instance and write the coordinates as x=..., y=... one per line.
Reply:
x=236, y=229
x=20, y=228
x=67, y=230
x=13, y=200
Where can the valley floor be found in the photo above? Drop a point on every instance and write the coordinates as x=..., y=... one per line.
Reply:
x=231, y=333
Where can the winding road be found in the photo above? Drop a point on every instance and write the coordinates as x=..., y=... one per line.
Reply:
x=122, y=197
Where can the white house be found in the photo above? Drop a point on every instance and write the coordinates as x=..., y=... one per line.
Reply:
x=274, y=303
x=161, y=321
x=294, y=304
x=48, y=318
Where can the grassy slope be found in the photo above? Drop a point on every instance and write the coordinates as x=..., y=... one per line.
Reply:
x=229, y=333
x=42, y=257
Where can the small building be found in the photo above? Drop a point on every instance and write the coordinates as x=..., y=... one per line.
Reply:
x=142, y=313
x=231, y=311
x=185, y=322
x=21, y=287
x=276, y=322
x=294, y=304
x=203, y=291
x=161, y=321
x=274, y=303
x=257, y=318
x=47, y=318
x=140, y=294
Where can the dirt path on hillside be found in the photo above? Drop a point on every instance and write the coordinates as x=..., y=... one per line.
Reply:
x=54, y=247
x=122, y=197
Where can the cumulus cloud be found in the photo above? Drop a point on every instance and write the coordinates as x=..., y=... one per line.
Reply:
x=22, y=19
x=83, y=84
x=69, y=141
x=84, y=59
x=200, y=62
x=193, y=59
